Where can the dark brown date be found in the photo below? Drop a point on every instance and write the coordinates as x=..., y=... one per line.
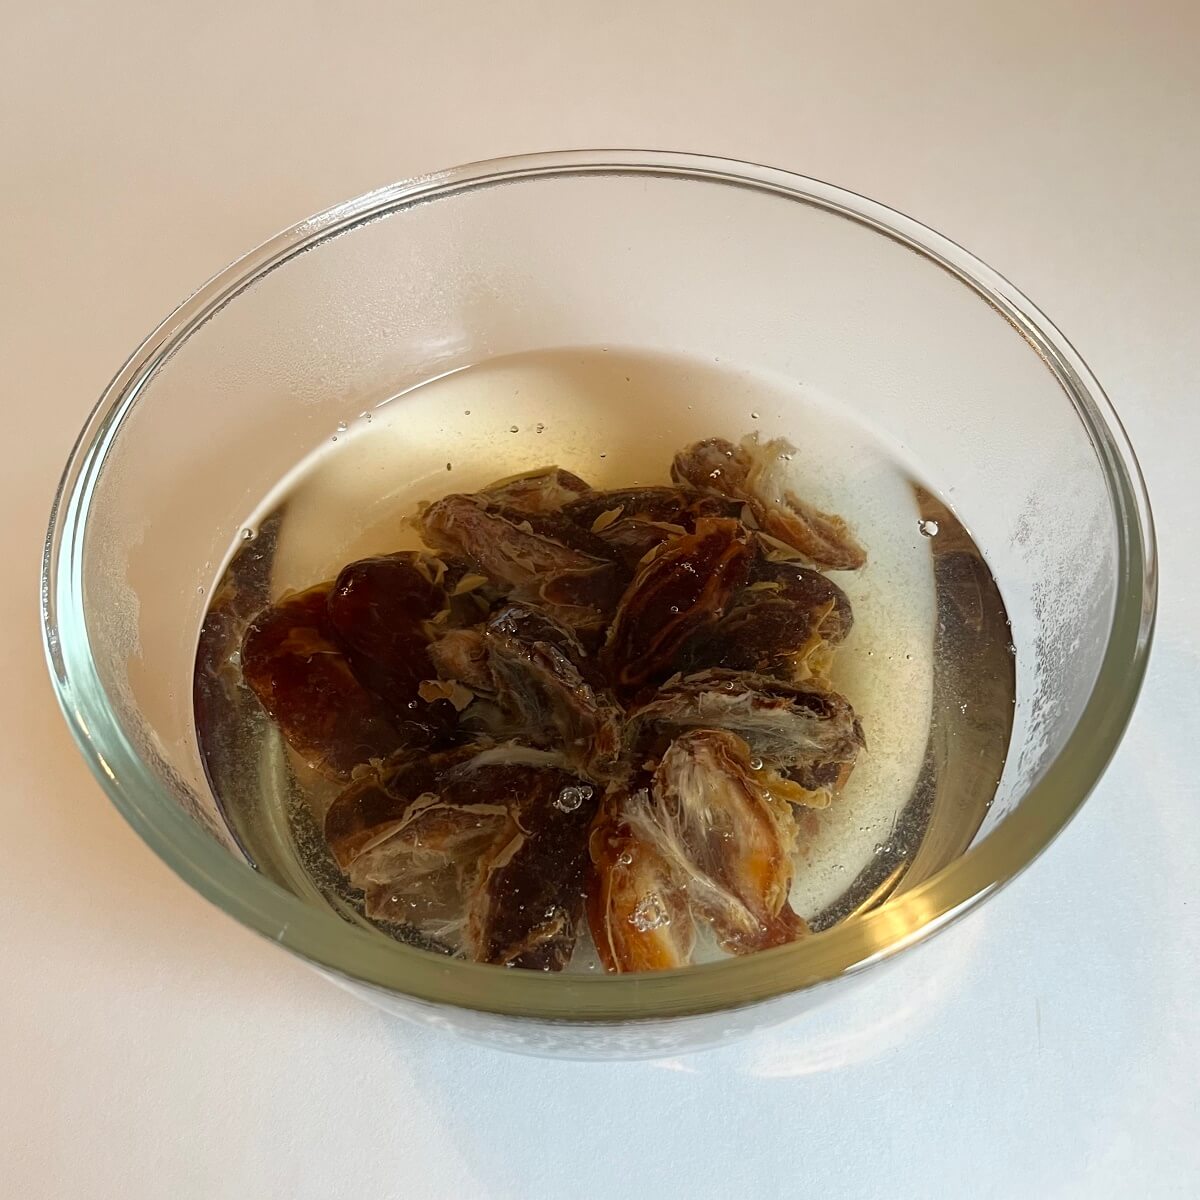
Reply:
x=786, y=622
x=527, y=904
x=379, y=609
x=683, y=590
x=294, y=665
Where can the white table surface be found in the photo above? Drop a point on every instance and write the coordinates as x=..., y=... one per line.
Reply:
x=150, y=1047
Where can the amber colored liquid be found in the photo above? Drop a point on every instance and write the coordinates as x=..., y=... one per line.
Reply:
x=928, y=666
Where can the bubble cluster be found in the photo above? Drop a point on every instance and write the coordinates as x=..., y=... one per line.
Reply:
x=649, y=914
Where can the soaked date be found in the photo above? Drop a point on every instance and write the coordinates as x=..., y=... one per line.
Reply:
x=292, y=662
x=577, y=713
x=751, y=472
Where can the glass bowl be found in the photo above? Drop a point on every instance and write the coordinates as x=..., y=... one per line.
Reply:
x=665, y=252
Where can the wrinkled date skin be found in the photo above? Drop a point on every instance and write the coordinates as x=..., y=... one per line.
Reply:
x=380, y=799
x=577, y=707
x=638, y=913
x=503, y=844
x=510, y=547
x=545, y=677
x=704, y=839
x=735, y=838
x=749, y=472
x=796, y=728
x=544, y=490
x=542, y=556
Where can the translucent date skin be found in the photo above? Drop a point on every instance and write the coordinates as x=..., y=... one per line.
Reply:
x=683, y=590
x=546, y=679
x=542, y=490
x=638, y=913
x=543, y=557
x=706, y=838
x=376, y=803
x=511, y=547
x=715, y=817
x=473, y=846
x=750, y=472
x=631, y=522
x=292, y=662
x=810, y=733
x=677, y=506
x=461, y=655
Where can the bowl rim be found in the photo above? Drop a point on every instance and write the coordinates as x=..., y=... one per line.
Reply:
x=350, y=954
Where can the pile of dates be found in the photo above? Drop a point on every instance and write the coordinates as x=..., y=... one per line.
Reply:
x=578, y=706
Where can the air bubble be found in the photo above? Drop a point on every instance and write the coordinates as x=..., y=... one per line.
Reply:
x=756, y=764
x=570, y=798
x=625, y=858
x=247, y=535
x=650, y=914
x=674, y=609
x=342, y=427
x=928, y=528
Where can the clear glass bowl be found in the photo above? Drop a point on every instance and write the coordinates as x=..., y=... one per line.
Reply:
x=666, y=252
